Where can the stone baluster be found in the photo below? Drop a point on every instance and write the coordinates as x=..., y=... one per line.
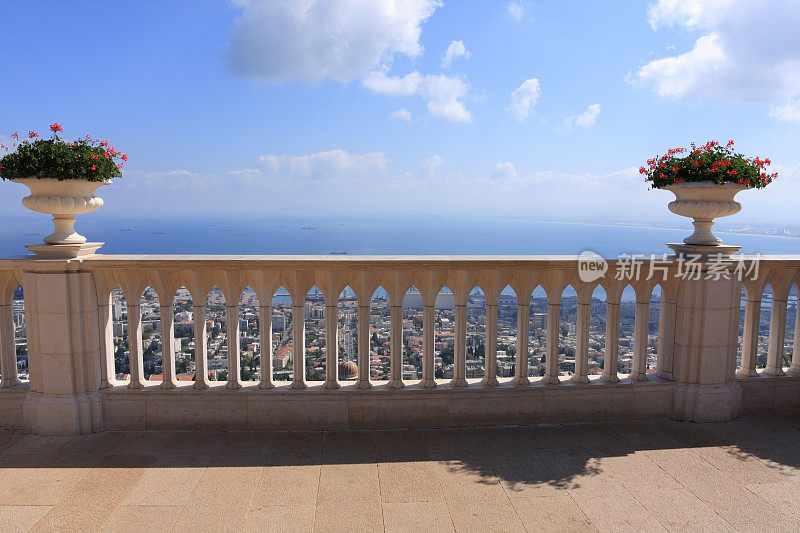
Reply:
x=200, y=346
x=460, y=345
x=795, y=368
x=781, y=285
x=299, y=339
x=428, y=343
x=332, y=343
x=611, y=358
x=8, y=351
x=136, y=356
x=666, y=329
x=168, y=343
x=490, y=378
x=396, y=346
x=232, y=325
x=641, y=330
x=752, y=324
x=108, y=369
x=581, y=374
x=523, y=327
x=553, y=331
x=265, y=332
x=363, y=345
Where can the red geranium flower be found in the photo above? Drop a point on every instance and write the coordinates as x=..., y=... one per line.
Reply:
x=55, y=127
x=94, y=167
x=32, y=134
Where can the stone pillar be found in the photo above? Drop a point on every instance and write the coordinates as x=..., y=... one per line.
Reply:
x=108, y=366
x=666, y=331
x=200, y=347
x=752, y=319
x=363, y=347
x=64, y=348
x=777, y=334
x=299, y=339
x=460, y=348
x=490, y=379
x=234, y=368
x=428, y=344
x=581, y=374
x=553, y=331
x=265, y=331
x=135, y=353
x=641, y=333
x=523, y=325
x=331, y=345
x=795, y=368
x=396, y=347
x=611, y=358
x=8, y=352
x=706, y=336
x=168, y=345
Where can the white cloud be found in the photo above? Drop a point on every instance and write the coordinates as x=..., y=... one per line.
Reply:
x=310, y=40
x=524, y=98
x=787, y=112
x=380, y=82
x=504, y=171
x=402, y=115
x=456, y=50
x=747, y=51
x=585, y=119
x=516, y=10
x=432, y=164
x=444, y=94
x=324, y=165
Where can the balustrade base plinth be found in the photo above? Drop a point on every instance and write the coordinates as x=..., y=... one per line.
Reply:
x=63, y=414
x=707, y=403
x=703, y=250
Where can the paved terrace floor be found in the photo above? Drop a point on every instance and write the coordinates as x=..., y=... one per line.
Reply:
x=653, y=476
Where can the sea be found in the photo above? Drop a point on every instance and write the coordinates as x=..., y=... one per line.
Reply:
x=394, y=235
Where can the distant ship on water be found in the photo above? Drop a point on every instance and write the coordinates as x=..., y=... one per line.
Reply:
x=339, y=253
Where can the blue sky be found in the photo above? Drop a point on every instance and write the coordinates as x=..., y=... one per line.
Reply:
x=348, y=106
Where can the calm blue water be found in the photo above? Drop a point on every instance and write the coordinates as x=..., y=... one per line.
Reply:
x=403, y=236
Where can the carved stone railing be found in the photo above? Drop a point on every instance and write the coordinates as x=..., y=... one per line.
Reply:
x=73, y=386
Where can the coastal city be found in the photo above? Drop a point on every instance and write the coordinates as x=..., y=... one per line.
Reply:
x=379, y=335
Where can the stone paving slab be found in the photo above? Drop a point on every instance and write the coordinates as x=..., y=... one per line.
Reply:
x=647, y=476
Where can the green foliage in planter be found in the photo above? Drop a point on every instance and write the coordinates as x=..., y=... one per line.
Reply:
x=710, y=162
x=85, y=159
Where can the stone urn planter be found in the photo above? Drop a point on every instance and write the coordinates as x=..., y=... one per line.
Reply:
x=63, y=200
x=704, y=201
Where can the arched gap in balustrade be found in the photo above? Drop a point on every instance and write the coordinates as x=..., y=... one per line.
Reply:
x=444, y=333
x=249, y=336
x=653, y=322
x=183, y=327
x=217, y=335
x=282, y=337
x=119, y=317
x=567, y=331
x=476, y=334
x=347, y=324
x=151, y=335
x=507, y=333
x=597, y=331
x=537, y=332
x=763, y=327
x=380, y=327
x=20, y=333
x=412, y=335
x=791, y=320
x=315, y=334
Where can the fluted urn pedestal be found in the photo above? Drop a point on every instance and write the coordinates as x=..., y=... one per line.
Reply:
x=704, y=201
x=64, y=200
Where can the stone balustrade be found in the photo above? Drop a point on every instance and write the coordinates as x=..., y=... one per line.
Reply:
x=73, y=387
